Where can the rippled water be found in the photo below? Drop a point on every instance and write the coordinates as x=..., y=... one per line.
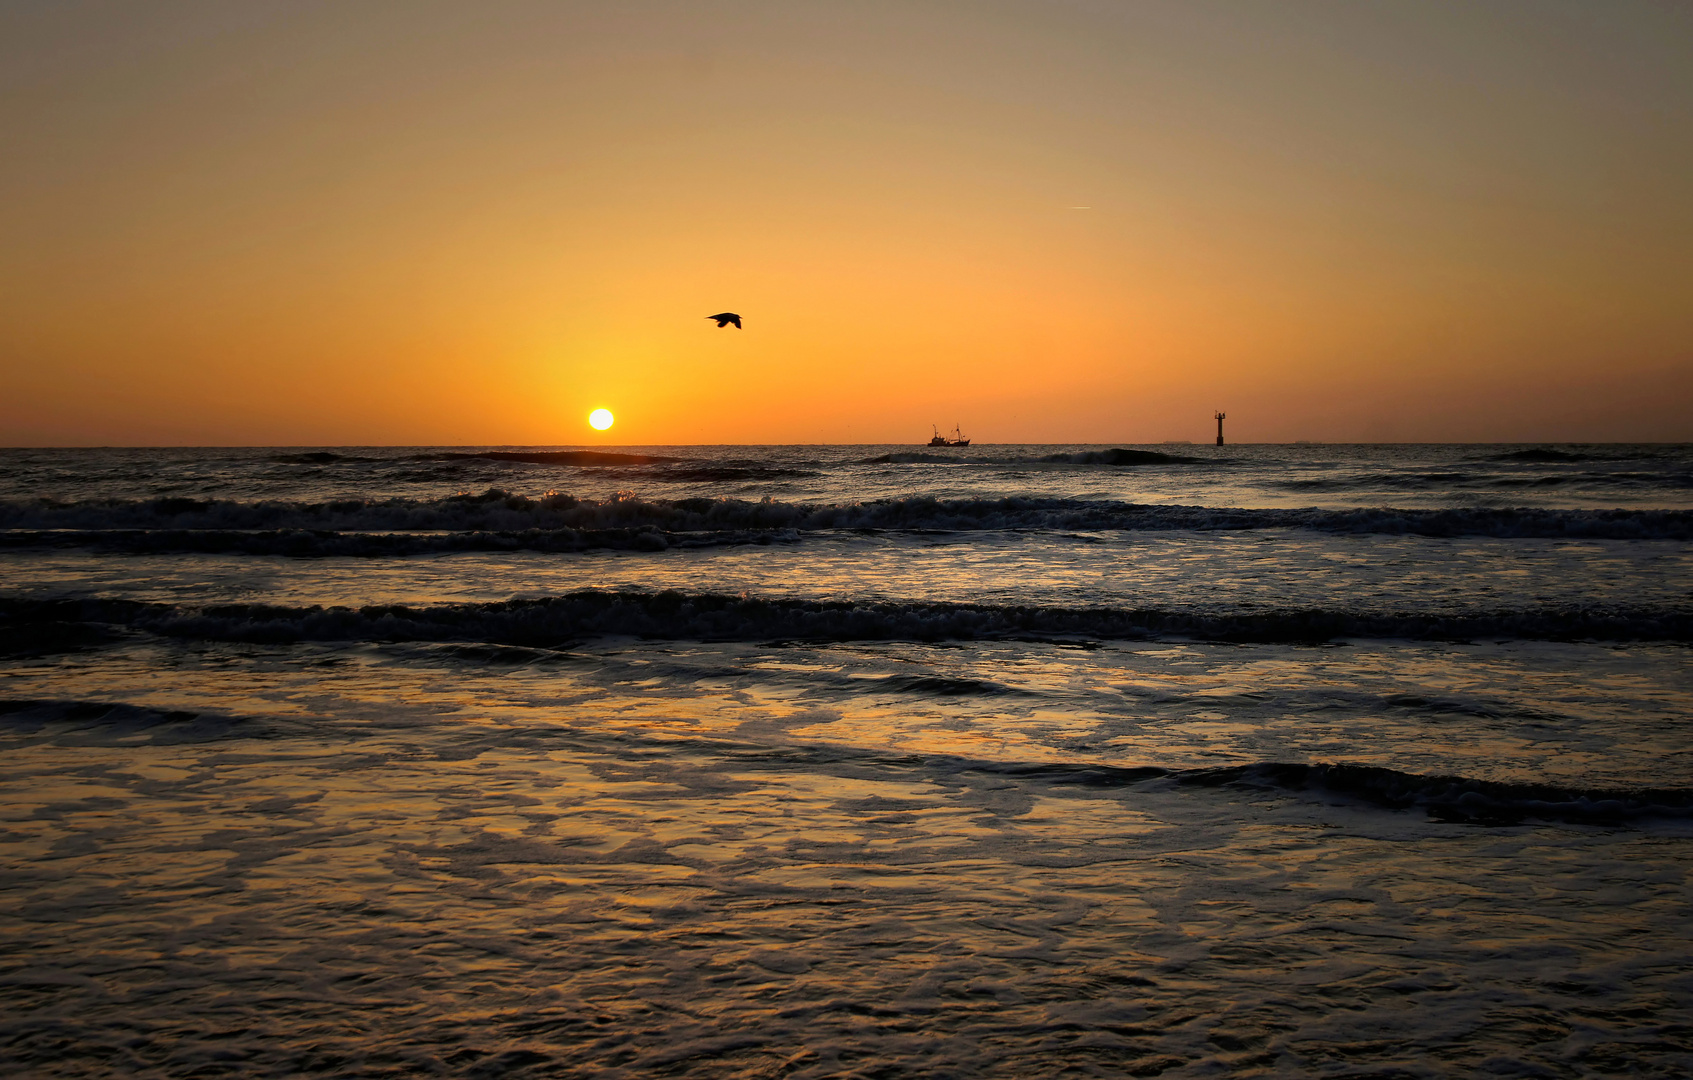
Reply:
x=1587, y=476
x=847, y=761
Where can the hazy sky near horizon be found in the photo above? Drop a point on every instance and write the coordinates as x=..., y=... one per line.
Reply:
x=347, y=223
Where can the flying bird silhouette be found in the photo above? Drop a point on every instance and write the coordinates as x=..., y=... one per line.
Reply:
x=724, y=318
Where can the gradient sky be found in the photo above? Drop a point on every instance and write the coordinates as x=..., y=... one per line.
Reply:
x=359, y=223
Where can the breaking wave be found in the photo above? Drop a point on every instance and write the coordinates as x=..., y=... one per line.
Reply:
x=1118, y=457
x=553, y=621
x=500, y=511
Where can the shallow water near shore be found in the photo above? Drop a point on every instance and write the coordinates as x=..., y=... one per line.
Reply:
x=847, y=761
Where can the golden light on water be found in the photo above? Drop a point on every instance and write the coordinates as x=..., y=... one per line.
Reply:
x=600, y=419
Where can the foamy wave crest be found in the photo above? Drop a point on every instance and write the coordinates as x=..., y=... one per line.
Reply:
x=552, y=621
x=500, y=511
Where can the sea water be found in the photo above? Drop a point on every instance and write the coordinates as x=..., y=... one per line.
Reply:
x=847, y=761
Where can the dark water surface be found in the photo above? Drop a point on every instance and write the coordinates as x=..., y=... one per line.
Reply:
x=847, y=761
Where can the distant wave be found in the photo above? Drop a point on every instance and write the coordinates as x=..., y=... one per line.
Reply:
x=917, y=457
x=528, y=519
x=727, y=474
x=596, y=458
x=1591, y=453
x=1085, y=457
x=551, y=621
x=324, y=543
x=1448, y=481
x=557, y=457
x=1541, y=454
x=1118, y=457
x=318, y=457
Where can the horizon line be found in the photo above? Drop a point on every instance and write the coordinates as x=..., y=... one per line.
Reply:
x=919, y=446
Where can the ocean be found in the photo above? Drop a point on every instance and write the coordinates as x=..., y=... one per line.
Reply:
x=847, y=761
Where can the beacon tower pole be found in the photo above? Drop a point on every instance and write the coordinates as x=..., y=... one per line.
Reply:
x=1220, y=428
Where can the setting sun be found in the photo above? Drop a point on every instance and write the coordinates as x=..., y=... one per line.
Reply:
x=600, y=419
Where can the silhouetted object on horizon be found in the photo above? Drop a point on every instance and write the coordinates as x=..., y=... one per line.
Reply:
x=724, y=318
x=1220, y=428
x=957, y=438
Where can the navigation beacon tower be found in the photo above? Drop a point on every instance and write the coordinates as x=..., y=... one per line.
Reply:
x=1220, y=428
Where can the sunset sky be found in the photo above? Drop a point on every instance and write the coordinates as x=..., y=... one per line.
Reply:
x=452, y=223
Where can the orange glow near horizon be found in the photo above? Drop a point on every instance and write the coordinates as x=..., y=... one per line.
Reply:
x=294, y=226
